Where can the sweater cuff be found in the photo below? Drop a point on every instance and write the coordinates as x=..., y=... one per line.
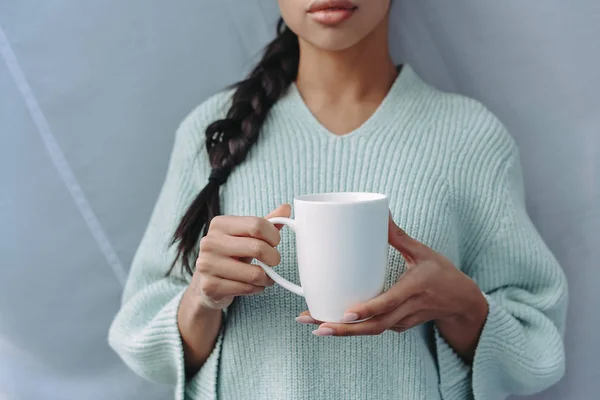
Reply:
x=455, y=374
x=172, y=338
x=204, y=384
x=498, y=342
x=152, y=349
x=458, y=380
x=157, y=354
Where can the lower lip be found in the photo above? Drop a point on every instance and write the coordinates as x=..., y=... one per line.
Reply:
x=332, y=17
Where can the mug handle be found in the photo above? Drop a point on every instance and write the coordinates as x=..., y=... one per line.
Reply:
x=284, y=283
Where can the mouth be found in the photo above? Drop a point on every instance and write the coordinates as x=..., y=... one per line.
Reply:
x=331, y=12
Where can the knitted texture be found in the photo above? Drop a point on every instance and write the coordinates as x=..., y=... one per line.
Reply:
x=453, y=177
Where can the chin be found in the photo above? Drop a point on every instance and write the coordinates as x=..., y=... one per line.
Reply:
x=334, y=40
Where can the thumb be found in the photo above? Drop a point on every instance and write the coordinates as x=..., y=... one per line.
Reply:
x=284, y=210
x=411, y=249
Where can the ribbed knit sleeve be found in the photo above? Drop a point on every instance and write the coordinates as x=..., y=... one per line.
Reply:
x=145, y=332
x=520, y=350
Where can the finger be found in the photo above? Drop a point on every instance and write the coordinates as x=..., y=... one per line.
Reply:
x=411, y=249
x=407, y=287
x=306, y=318
x=243, y=247
x=284, y=210
x=410, y=321
x=251, y=227
x=218, y=289
x=232, y=269
x=373, y=326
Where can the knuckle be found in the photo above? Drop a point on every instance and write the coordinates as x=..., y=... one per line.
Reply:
x=256, y=227
x=206, y=244
x=263, y=252
x=216, y=222
x=368, y=310
x=209, y=287
x=202, y=264
x=256, y=248
x=390, y=304
x=257, y=276
x=248, y=289
x=342, y=331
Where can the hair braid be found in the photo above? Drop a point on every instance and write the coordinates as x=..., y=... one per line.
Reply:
x=229, y=140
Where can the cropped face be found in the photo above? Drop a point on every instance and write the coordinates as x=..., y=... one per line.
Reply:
x=334, y=24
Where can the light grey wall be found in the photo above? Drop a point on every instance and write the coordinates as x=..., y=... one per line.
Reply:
x=91, y=92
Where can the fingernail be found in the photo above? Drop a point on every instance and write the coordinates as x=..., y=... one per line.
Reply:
x=350, y=317
x=323, y=332
x=305, y=319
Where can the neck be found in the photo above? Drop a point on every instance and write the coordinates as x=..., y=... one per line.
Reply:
x=364, y=70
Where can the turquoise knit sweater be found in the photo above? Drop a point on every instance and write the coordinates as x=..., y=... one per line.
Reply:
x=453, y=177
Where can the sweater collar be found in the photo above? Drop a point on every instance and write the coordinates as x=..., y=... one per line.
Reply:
x=389, y=105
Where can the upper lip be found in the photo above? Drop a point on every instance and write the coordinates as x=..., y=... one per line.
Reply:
x=322, y=5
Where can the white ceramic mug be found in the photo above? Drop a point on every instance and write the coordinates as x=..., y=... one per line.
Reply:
x=342, y=247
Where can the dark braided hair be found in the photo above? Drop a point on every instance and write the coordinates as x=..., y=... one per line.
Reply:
x=229, y=140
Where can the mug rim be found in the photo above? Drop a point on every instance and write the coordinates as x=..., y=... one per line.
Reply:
x=355, y=198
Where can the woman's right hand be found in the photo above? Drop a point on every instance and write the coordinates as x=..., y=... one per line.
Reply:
x=223, y=269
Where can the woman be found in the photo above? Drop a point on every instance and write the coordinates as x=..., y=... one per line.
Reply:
x=475, y=305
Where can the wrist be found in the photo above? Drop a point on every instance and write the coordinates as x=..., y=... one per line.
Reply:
x=193, y=308
x=463, y=329
x=476, y=309
x=471, y=310
x=199, y=327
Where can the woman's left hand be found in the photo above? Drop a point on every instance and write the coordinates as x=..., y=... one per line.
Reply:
x=431, y=289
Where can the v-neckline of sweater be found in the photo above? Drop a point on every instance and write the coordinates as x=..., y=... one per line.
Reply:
x=376, y=119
